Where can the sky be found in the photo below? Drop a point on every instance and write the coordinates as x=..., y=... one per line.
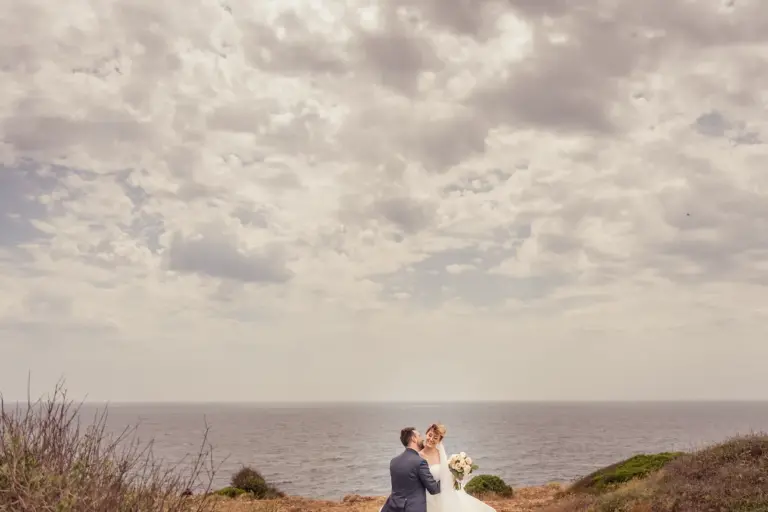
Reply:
x=400, y=200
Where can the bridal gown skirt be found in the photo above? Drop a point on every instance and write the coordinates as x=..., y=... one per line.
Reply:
x=466, y=503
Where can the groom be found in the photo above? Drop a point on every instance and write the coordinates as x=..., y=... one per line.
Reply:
x=410, y=477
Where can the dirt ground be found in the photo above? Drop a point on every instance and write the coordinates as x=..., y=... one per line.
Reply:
x=525, y=500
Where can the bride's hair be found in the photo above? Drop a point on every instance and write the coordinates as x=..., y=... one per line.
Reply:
x=438, y=428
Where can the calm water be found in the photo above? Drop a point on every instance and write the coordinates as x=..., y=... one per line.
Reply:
x=331, y=450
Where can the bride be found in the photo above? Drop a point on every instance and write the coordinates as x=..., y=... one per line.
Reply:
x=449, y=499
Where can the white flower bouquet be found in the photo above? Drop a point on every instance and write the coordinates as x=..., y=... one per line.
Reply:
x=461, y=467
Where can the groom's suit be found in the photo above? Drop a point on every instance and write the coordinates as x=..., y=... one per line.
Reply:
x=410, y=477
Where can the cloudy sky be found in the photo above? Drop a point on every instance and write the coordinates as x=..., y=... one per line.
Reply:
x=393, y=200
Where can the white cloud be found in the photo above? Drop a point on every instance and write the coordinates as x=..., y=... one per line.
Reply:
x=458, y=269
x=559, y=197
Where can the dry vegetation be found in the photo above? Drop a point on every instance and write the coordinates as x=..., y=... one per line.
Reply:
x=729, y=477
x=524, y=500
x=50, y=462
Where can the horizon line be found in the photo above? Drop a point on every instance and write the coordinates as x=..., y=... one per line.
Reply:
x=403, y=402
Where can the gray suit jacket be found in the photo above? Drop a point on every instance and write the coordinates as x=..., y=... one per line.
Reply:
x=410, y=478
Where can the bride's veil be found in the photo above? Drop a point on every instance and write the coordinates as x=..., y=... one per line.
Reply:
x=448, y=497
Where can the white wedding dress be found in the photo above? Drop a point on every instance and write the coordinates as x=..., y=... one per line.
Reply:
x=449, y=499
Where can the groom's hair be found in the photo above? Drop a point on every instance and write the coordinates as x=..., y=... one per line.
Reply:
x=406, y=435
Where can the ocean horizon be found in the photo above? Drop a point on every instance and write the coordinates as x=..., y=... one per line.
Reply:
x=93, y=404
x=330, y=449
x=405, y=402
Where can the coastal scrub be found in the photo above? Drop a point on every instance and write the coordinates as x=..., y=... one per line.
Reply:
x=485, y=485
x=729, y=476
x=49, y=460
x=633, y=468
x=248, y=482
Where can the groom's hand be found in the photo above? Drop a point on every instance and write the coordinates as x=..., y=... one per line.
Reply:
x=427, y=479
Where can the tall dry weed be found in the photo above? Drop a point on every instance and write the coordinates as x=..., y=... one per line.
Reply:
x=51, y=461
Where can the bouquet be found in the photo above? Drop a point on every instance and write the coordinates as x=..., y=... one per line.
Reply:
x=461, y=467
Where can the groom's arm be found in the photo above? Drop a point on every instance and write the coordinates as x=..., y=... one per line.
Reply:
x=426, y=478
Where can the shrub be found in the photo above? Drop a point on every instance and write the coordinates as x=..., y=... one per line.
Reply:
x=230, y=492
x=488, y=484
x=49, y=461
x=622, y=472
x=730, y=476
x=250, y=480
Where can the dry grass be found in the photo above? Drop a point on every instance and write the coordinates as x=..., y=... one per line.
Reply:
x=49, y=461
x=729, y=477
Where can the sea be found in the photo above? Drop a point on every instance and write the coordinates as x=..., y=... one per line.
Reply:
x=327, y=451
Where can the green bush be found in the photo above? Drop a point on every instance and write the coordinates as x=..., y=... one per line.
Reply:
x=622, y=472
x=230, y=492
x=488, y=484
x=251, y=481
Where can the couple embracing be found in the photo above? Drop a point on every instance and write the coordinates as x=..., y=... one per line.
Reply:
x=422, y=480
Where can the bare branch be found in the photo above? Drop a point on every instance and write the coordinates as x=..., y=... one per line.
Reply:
x=50, y=461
